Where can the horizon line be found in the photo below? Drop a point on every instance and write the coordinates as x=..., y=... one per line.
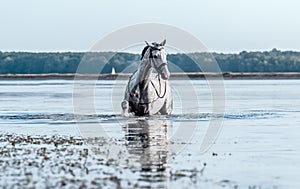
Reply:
x=133, y=52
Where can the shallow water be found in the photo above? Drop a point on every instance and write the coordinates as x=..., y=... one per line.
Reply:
x=258, y=145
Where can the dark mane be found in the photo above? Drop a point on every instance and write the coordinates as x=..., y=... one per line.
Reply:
x=144, y=51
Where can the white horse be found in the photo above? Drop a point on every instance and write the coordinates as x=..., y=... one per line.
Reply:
x=149, y=93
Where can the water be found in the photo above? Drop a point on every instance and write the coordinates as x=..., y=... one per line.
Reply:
x=258, y=145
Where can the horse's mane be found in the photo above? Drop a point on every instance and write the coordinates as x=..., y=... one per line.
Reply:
x=144, y=51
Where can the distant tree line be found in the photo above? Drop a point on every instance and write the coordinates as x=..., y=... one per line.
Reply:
x=103, y=62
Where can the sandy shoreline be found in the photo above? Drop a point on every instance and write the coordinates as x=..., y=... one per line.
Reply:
x=57, y=161
x=175, y=76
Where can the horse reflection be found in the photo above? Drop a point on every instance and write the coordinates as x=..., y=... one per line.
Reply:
x=147, y=142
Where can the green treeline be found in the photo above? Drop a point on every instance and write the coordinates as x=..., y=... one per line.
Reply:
x=95, y=62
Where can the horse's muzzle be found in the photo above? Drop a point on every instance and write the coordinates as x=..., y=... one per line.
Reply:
x=165, y=74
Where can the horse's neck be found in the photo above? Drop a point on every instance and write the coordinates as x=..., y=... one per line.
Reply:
x=144, y=72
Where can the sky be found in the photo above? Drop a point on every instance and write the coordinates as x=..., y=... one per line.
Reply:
x=227, y=26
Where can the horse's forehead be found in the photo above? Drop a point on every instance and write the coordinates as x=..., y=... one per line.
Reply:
x=156, y=44
x=151, y=51
x=158, y=49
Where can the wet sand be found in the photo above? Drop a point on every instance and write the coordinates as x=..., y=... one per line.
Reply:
x=32, y=161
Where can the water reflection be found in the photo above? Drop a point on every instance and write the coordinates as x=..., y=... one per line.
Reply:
x=147, y=142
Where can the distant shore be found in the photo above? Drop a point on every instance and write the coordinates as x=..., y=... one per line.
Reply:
x=175, y=76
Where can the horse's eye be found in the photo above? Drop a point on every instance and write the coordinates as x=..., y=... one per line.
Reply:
x=155, y=56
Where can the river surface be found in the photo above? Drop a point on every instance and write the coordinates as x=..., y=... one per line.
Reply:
x=257, y=146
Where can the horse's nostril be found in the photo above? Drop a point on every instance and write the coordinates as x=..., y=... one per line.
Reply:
x=155, y=56
x=165, y=76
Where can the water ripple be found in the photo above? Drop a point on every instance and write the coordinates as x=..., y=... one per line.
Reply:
x=68, y=117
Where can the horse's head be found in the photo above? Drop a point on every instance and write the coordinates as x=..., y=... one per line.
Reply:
x=157, y=56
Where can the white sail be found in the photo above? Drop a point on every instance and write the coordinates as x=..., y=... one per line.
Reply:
x=113, y=70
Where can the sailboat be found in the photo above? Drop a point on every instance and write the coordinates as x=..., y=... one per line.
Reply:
x=113, y=71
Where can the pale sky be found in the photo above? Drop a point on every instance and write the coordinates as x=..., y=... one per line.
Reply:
x=222, y=25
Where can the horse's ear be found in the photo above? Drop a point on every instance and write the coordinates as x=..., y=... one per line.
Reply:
x=163, y=43
x=147, y=43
